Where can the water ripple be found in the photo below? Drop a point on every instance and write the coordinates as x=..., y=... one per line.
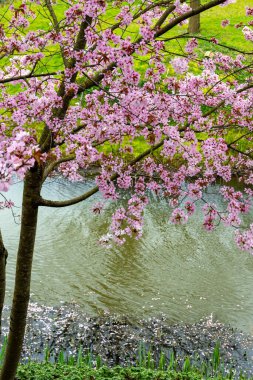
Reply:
x=179, y=271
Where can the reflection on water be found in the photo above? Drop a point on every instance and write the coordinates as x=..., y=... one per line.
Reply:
x=180, y=271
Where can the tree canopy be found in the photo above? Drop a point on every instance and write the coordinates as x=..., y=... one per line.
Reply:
x=107, y=73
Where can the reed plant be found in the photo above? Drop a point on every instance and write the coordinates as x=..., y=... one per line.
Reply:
x=149, y=366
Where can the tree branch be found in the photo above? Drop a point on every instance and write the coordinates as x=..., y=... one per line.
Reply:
x=94, y=190
x=54, y=164
x=240, y=152
x=46, y=139
x=239, y=138
x=56, y=26
x=164, y=16
x=187, y=15
x=28, y=76
x=3, y=260
x=186, y=35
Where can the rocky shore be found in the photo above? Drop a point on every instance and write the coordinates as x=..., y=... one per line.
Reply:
x=117, y=340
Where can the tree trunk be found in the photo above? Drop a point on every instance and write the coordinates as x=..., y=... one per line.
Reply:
x=194, y=21
x=32, y=187
x=3, y=259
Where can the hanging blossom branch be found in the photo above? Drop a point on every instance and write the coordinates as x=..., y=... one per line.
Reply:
x=146, y=153
x=88, y=194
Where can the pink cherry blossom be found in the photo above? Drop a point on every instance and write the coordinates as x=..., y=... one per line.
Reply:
x=178, y=216
x=180, y=65
x=225, y=23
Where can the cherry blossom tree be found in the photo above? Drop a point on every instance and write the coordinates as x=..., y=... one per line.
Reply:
x=105, y=72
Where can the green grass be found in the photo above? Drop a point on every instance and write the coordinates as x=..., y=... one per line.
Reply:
x=47, y=371
x=211, y=21
x=89, y=367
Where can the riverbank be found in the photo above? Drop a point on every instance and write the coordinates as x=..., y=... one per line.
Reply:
x=55, y=332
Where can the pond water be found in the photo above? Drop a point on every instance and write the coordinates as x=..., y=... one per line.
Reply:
x=181, y=272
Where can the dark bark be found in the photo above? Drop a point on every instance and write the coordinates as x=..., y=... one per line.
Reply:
x=3, y=259
x=32, y=187
x=194, y=21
